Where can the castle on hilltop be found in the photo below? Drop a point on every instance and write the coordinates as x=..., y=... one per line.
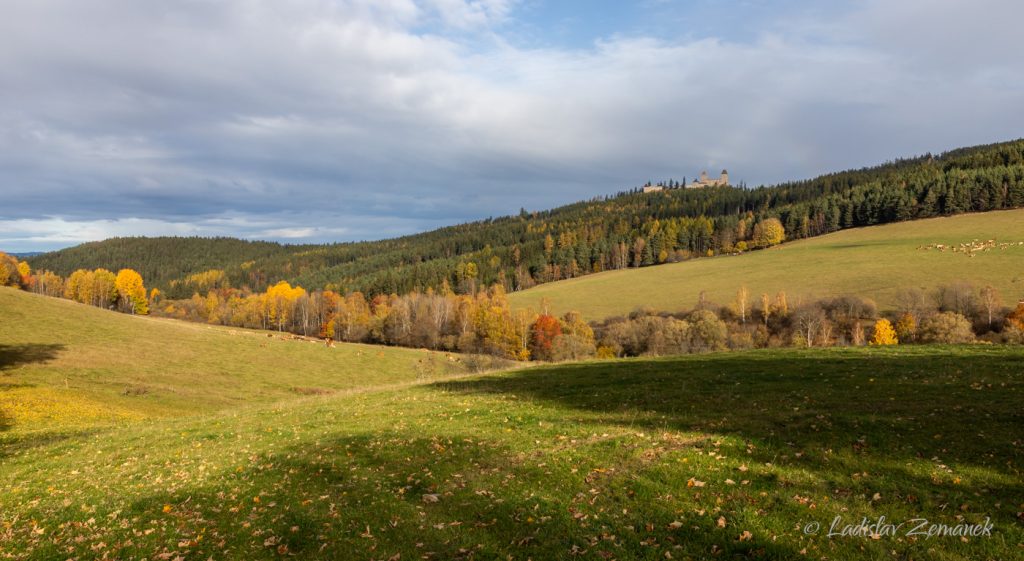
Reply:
x=705, y=181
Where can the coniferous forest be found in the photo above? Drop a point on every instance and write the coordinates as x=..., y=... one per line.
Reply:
x=628, y=229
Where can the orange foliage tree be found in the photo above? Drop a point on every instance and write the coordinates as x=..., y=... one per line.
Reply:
x=542, y=336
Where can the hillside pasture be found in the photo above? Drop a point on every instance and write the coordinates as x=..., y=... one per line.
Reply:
x=874, y=262
x=735, y=455
x=63, y=364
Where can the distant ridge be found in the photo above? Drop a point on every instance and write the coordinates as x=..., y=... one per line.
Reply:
x=625, y=230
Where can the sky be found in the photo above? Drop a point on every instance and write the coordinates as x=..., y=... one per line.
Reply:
x=312, y=121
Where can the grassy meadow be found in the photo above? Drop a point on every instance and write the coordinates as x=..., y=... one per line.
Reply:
x=720, y=456
x=874, y=262
x=63, y=363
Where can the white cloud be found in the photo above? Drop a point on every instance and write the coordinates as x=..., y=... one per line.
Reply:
x=321, y=119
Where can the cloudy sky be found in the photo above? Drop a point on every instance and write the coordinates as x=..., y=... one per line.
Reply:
x=333, y=120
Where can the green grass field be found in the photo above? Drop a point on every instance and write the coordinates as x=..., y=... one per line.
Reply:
x=873, y=262
x=63, y=363
x=722, y=456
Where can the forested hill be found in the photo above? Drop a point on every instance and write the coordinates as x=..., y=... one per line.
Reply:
x=625, y=230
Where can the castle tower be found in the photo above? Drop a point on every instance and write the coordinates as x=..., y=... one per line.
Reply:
x=725, y=177
x=703, y=177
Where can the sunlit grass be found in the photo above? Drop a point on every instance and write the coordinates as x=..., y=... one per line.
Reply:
x=62, y=362
x=717, y=456
x=873, y=262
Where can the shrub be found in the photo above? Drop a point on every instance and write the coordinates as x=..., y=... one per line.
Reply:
x=1015, y=319
x=741, y=341
x=906, y=327
x=762, y=337
x=668, y=336
x=847, y=314
x=884, y=333
x=946, y=327
x=1014, y=335
x=569, y=346
x=812, y=324
x=605, y=352
x=707, y=332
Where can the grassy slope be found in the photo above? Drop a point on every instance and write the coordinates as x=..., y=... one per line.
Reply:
x=625, y=460
x=63, y=363
x=873, y=262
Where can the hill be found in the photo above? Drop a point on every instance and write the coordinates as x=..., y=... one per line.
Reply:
x=578, y=239
x=743, y=455
x=132, y=437
x=875, y=262
x=63, y=363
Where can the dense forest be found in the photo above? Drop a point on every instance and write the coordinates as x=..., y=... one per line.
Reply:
x=629, y=229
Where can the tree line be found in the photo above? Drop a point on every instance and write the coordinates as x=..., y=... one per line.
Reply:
x=123, y=291
x=628, y=229
x=956, y=313
x=483, y=322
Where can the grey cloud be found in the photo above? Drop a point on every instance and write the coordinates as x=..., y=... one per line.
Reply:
x=354, y=119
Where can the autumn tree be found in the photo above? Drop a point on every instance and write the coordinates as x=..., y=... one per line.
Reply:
x=884, y=333
x=991, y=301
x=946, y=327
x=1015, y=318
x=707, y=332
x=95, y=288
x=496, y=330
x=906, y=327
x=543, y=332
x=959, y=297
x=279, y=303
x=25, y=275
x=1014, y=325
x=742, y=303
x=781, y=304
x=812, y=326
x=76, y=285
x=104, y=288
x=639, y=246
x=576, y=340
x=9, y=275
x=49, y=283
x=768, y=232
x=131, y=291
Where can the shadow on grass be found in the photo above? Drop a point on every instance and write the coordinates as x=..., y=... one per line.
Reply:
x=861, y=424
x=923, y=429
x=958, y=407
x=454, y=498
x=13, y=356
x=14, y=444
